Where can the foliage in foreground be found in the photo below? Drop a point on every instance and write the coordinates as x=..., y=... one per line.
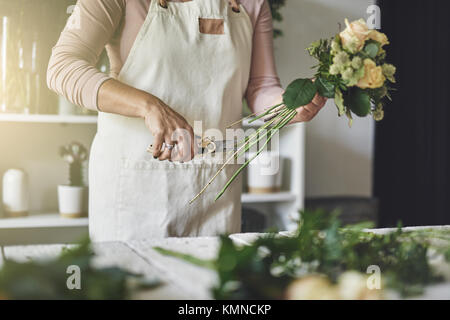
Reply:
x=47, y=280
x=265, y=269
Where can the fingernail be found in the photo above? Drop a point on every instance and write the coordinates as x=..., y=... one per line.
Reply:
x=155, y=157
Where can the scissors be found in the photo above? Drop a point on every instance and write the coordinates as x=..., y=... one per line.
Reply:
x=207, y=145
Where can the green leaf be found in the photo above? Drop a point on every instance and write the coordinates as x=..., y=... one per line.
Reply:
x=299, y=93
x=339, y=101
x=372, y=49
x=325, y=88
x=349, y=117
x=358, y=101
x=209, y=264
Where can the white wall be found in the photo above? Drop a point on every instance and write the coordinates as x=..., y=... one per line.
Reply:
x=338, y=158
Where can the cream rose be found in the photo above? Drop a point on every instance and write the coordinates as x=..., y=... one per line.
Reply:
x=373, y=76
x=355, y=35
x=379, y=37
x=312, y=287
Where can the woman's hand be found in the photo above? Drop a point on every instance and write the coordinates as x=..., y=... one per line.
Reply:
x=171, y=129
x=308, y=112
x=305, y=113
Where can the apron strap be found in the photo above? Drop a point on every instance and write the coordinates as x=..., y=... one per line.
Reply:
x=233, y=3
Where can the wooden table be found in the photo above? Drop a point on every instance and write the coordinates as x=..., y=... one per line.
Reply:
x=182, y=280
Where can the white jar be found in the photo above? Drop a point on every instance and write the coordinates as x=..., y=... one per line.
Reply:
x=265, y=173
x=15, y=193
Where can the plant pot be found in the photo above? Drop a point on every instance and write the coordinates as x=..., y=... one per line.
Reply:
x=264, y=173
x=72, y=201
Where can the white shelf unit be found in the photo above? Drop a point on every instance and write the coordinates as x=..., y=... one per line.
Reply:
x=280, y=208
x=268, y=197
x=50, y=118
x=42, y=229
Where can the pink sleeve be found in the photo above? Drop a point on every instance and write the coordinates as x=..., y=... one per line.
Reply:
x=264, y=88
x=71, y=71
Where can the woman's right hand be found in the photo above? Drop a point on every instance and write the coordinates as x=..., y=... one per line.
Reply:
x=170, y=128
x=166, y=125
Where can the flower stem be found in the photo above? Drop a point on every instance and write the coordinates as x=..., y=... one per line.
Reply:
x=286, y=119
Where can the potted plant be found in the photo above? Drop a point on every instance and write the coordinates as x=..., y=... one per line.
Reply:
x=72, y=197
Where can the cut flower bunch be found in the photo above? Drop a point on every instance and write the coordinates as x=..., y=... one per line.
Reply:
x=352, y=69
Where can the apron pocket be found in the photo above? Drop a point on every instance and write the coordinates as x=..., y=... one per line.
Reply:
x=153, y=200
x=211, y=26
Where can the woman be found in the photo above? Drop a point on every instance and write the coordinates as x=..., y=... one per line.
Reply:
x=173, y=63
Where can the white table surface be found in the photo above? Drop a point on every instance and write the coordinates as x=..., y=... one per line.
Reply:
x=182, y=280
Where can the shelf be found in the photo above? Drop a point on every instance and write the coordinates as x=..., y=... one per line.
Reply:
x=268, y=197
x=42, y=221
x=54, y=220
x=76, y=119
x=42, y=229
x=47, y=118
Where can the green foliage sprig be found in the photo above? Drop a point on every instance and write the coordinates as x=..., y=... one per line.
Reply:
x=47, y=280
x=265, y=269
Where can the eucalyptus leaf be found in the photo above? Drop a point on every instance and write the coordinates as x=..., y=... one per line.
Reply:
x=299, y=93
x=358, y=101
x=339, y=101
x=371, y=49
x=325, y=88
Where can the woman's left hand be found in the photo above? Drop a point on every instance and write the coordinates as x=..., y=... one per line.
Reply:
x=308, y=112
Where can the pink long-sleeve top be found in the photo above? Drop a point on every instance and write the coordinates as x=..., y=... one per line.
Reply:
x=114, y=24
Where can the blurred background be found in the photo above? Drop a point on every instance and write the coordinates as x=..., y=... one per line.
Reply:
x=369, y=173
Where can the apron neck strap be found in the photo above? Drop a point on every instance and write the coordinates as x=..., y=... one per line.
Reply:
x=233, y=3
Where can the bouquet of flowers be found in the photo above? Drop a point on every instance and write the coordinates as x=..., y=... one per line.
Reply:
x=351, y=68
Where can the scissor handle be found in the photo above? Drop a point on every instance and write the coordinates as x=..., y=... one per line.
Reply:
x=206, y=145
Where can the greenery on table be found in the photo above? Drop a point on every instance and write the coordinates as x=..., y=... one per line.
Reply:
x=47, y=280
x=265, y=269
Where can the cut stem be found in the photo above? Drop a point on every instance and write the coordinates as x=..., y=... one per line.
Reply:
x=264, y=113
x=289, y=116
x=233, y=156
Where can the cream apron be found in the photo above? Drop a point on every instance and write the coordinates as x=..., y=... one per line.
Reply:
x=202, y=73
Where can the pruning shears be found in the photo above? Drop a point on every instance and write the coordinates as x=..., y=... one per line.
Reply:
x=207, y=145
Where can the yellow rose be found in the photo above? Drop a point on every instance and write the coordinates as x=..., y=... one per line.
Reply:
x=355, y=35
x=373, y=76
x=379, y=37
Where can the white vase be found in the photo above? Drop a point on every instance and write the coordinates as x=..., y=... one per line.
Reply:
x=265, y=173
x=15, y=193
x=72, y=201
